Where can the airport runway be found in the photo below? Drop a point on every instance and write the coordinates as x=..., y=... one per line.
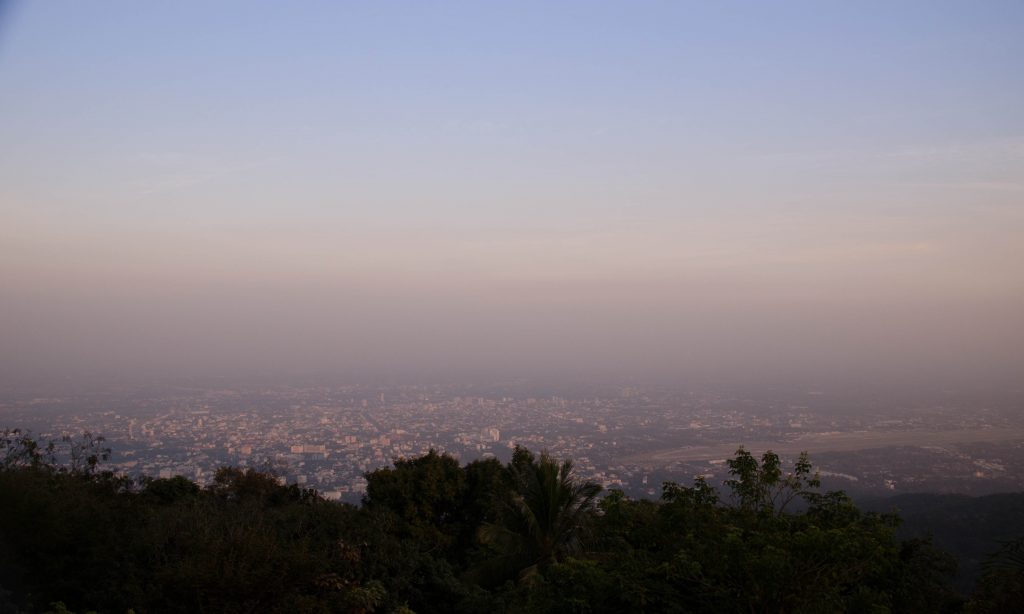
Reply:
x=815, y=443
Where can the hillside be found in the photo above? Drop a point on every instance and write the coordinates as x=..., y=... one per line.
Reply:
x=969, y=528
x=437, y=536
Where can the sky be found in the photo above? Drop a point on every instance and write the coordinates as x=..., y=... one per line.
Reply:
x=792, y=191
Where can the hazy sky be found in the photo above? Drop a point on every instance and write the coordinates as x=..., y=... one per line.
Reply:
x=762, y=190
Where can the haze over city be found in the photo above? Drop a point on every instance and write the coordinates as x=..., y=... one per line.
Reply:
x=511, y=307
x=789, y=192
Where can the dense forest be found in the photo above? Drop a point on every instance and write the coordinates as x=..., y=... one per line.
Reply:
x=434, y=535
x=969, y=528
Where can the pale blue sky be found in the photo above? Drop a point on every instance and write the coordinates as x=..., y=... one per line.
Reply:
x=625, y=179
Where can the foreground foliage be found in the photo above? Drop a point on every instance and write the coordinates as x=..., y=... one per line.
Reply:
x=437, y=536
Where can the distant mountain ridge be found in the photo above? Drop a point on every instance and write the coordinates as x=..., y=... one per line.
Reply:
x=970, y=528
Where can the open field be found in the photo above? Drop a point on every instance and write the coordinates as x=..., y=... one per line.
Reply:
x=827, y=442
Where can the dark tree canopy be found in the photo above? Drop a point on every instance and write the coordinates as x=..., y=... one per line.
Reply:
x=435, y=535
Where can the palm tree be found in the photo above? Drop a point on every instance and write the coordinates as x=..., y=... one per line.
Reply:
x=545, y=518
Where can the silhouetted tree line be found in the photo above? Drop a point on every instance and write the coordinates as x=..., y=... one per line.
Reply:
x=434, y=535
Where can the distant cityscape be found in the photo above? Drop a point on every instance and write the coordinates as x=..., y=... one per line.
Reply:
x=633, y=438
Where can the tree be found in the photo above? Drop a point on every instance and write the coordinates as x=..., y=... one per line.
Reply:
x=424, y=494
x=1001, y=586
x=545, y=518
x=79, y=455
x=763, y=488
